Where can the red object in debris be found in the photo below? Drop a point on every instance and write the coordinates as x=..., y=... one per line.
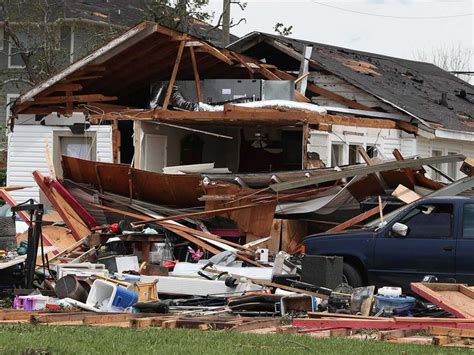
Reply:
x=53, y=306
x=169, y=264
x=314, y=325
x=113, y=227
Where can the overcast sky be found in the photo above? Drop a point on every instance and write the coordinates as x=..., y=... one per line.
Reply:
x=400, y=37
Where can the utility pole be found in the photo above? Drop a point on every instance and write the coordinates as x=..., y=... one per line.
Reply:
x=226, y=22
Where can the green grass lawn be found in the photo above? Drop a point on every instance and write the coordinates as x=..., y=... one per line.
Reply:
x=31, y=339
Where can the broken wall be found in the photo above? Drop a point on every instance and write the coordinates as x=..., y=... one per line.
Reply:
x=27, y=152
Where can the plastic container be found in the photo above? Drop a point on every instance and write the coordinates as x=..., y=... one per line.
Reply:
x=107, y=296
x=389, y=291
x=68, y=286
x=124, y=298
x=31, y=303
x=389, y=306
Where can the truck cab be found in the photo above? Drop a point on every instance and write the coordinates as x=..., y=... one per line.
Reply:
x=432, y=236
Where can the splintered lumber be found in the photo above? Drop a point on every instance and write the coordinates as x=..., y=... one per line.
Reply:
x=393, y=165
x=78, y=227
x=357, y=219
x=203, y=244
x=122, y=212
x=456, y=299
x=73, y=247
x=286, y=288
x=204, y=235
x=195, y=214
x=196, y=241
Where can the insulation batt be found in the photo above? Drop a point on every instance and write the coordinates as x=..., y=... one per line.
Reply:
x=285, y=104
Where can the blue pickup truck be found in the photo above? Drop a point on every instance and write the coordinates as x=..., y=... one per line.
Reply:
x=432, y=236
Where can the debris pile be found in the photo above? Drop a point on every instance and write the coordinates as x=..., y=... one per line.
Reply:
x=198, y=249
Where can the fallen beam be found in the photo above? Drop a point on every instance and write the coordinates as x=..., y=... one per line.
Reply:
x=393, y=165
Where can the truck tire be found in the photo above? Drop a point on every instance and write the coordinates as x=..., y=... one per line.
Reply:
x=353, y=276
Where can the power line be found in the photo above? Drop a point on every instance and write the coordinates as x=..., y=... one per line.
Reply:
x=390, y=16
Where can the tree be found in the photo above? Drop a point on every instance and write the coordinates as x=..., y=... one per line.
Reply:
x=453, y=59
x=283, y=30
x=176, y=14
x=35, y=30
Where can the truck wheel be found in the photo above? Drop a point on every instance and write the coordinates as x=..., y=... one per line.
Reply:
x=352, y=275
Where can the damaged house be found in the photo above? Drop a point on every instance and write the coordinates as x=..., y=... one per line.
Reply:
x=156, y=99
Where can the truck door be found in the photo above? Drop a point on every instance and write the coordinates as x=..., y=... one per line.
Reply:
x=427, y=249
x=465, y=247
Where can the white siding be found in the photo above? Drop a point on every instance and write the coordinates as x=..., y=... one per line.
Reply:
x=386, y=140
x=425, y=147
x=26, y=153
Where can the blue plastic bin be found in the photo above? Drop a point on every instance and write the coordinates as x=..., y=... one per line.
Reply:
x=393, y=305
x=124, y=298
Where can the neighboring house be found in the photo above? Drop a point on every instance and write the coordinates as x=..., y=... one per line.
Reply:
x=437, y=102
x=331, y=116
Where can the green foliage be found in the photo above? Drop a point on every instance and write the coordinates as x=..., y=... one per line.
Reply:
x=176, y=14
x=104, y=340
x=283, y=30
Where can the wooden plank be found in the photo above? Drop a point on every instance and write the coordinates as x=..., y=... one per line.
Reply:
x=405, y=194
x=73, y=98
x=395, y=334
x=461, y=333
x=454, y=298
x=173, y=75
x=415, y=340
x=412, y=163
x=408, y=172
x=77, y=226
x=207, y=213
x=357, y=219
x=390, y=323
x=302, y=81
x=197, y=79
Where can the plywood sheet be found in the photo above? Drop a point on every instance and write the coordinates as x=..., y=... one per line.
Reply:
x=162, y=189
x=457, y=299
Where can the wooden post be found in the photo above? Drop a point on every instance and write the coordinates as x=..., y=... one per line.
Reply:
x=197, y=80
x=115, y=142
x=304, y=69
x=173, y=75
x=306, y=135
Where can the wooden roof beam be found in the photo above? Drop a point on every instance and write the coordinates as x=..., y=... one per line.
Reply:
x=73, y=98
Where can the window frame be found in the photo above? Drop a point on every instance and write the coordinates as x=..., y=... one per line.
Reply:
x=10, y=65
x=463, y=219
x=8, y=106
x=452, y=222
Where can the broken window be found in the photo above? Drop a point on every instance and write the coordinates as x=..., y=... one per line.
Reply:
x=354, y=154
x=436, y=175
x=372, y=151
x=336, y=154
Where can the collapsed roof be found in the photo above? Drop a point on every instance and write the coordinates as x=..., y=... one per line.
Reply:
x=414, y=87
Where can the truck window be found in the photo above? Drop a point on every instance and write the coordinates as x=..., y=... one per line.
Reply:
x=468, y=221
x=430, y=221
